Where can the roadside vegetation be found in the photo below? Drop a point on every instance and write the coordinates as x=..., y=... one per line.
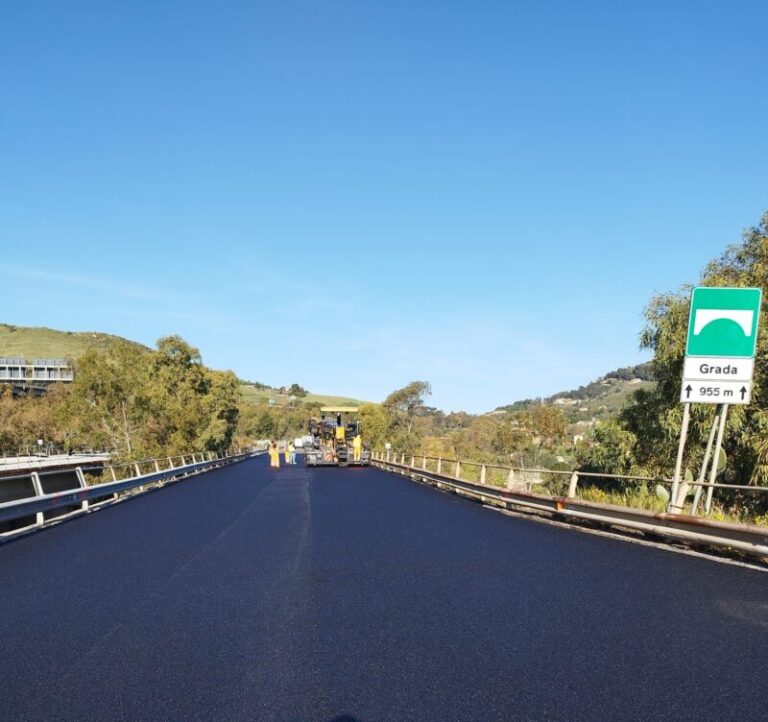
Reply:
x=628, y=422
x=130, y=401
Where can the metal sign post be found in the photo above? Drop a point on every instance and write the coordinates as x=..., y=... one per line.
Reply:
x=715, y=460
x=705, y=462
x=680, y=453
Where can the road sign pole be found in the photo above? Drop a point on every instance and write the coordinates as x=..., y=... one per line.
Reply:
x=680, y=452
x=716, y=459
x=705, y=463
x=685, y=485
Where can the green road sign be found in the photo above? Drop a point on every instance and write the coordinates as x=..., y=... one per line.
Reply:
x=723, y=322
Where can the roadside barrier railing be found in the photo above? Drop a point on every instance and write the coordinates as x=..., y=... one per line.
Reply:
x=556, y=493
x=36, y=498
x=43, y=460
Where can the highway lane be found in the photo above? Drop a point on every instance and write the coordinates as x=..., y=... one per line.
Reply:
x=327, y=594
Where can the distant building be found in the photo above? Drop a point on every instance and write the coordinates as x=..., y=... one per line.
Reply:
x=40, y=370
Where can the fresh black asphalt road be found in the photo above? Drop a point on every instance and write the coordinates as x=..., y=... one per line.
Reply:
x=352, y=594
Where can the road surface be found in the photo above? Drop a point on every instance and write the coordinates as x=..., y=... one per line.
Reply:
x=355, y=595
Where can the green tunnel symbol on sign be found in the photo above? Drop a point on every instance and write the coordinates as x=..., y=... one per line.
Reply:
x=704, y=316
x=724, y=322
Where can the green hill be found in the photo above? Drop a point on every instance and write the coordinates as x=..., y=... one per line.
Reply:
x=254, y=395
x=34, y=342
x=600, y=399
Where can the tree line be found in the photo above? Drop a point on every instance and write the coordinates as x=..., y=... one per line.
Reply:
x=132, y=403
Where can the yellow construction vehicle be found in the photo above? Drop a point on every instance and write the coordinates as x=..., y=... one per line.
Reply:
x=337, y=439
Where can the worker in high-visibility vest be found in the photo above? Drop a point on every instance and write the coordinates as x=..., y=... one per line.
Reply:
x=274, y=456
x=357, y=446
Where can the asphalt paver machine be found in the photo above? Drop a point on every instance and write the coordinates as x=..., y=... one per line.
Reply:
x=333, y=438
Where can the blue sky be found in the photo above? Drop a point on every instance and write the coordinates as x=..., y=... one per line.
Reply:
x=354, y=195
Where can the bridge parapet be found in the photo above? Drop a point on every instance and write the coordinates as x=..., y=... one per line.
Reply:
x=556, y=493
x=37, y=498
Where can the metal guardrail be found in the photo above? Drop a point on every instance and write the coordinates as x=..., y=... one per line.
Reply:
x=38, y=461
x=514, y=477
x=752, y=540
x=40, y=508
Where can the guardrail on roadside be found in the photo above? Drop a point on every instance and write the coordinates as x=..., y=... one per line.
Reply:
x=36, y=498
x=515, y=478
x=514, y=494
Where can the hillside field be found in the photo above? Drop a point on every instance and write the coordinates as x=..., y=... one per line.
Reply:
x=255, y=396
x=34, y=342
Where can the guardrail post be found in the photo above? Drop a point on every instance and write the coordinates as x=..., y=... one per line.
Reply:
x=572, y=484
x=138, y=471
x=511, y=479
x=170, y=463
x=458, y=469
x=439, y=466
x=81, y=479
x=157, y=465
x=482, y=474
x=402, y=459
x=112, y=470
x=413, y=461
x=38, y=487
x=424, y=463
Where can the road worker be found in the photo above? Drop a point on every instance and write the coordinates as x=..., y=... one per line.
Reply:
x=357, y=446
x=274, y=456
x=341, y=431
x=291, y=452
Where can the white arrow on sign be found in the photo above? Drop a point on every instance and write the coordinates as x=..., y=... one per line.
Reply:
x=715, y=392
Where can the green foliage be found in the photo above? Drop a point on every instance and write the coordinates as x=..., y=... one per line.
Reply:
x=404, y=406
x=612, y=452
x=375, y=421
x=296, y=390
x=24, y=421
x=548, y=423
